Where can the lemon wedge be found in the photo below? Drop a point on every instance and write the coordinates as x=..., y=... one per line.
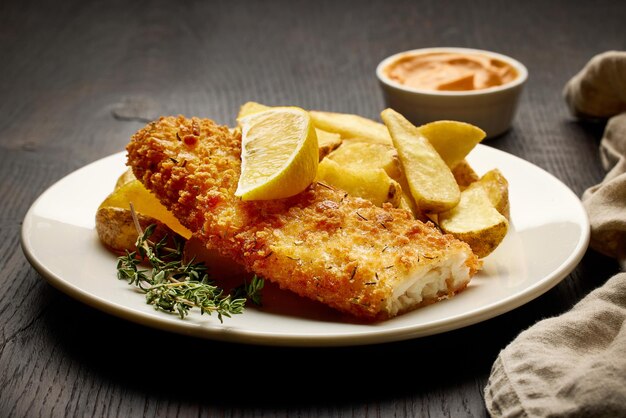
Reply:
x=279, y=153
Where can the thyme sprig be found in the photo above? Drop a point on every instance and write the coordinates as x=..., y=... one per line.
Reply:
x=174, y=285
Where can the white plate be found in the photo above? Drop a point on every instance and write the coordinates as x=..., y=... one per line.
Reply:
x=548, y=236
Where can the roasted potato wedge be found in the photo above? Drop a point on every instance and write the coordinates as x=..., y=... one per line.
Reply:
x=126, y=177
x=116, y=229
x=249, y=108
x=407, y=202
x=464, y=174
x=114, y=223
x=453, y=140
x=430, y=180
x=327, y=141
x=497, y=188
x=372, y=156
x=475, y=220
x=374, y=185
x=367, y=155
x=351, y=126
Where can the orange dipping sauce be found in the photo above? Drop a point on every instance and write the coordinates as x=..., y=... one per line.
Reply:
x=450, y=71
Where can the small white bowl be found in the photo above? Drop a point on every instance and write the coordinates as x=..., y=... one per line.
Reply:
x=491, y=109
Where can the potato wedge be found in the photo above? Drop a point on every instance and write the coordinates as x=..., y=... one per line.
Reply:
x=475, y=220
x=327, y=141
x=494, y=182
x=249, y=108
x=144, y=203
x=116, y=228
x=367, y=155
x=351, y=126
x=374, y=185
x=114, y=223
x=407, y=202
x=126, y=177
x=464, y=174
x=497, y=188
x=453, y=140
x=372, y=156
x=430, y=180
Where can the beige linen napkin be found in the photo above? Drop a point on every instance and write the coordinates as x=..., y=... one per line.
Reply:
x=574, y=365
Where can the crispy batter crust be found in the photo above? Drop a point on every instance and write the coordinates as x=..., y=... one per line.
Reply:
x=321, y=244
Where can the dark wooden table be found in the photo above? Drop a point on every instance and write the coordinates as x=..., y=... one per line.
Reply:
x=77, y=78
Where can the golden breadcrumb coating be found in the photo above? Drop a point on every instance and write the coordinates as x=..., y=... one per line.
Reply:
x=322, y=244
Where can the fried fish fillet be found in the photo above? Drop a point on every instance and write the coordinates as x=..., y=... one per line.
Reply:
x=371, y=262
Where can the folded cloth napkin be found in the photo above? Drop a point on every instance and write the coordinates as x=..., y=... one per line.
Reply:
x=574, y=365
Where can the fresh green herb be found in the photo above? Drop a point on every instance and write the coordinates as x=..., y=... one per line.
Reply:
x=174, y=285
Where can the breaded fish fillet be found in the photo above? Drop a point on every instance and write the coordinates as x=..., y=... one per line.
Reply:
x=368, y=261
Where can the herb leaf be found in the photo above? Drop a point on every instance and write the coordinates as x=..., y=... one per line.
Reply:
x=177, y=286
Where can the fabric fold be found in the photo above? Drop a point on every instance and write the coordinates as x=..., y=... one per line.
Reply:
x=598, y=90
x=574, y=365
x=606, y=202
x=571, y=365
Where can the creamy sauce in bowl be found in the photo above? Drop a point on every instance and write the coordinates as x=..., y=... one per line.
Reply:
x=450, y=71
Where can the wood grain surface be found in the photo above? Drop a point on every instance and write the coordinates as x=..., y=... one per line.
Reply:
x=77, y=78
